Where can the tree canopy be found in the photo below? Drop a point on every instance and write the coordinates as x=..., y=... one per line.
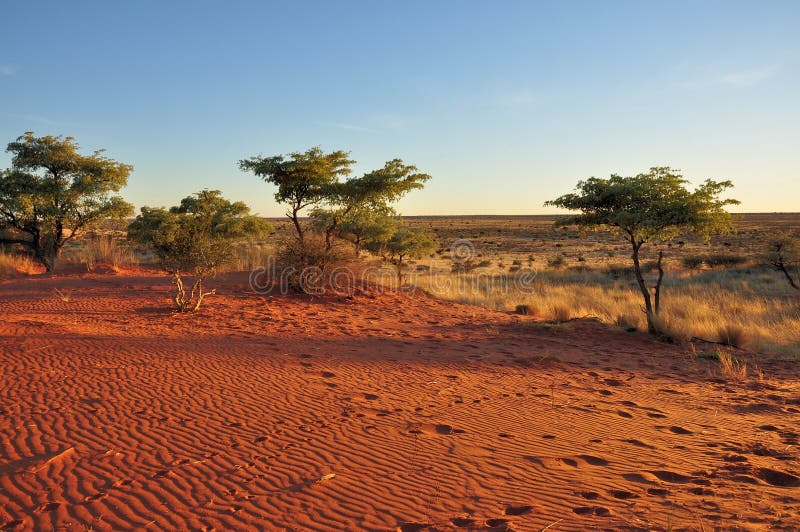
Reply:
x=651, y=206
x=195, y=238
x=303, y=178
x=52, y=193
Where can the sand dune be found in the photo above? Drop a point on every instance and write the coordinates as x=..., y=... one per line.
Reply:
x=379, y=412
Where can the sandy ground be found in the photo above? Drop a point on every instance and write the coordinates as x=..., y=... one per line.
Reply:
x=379, y=412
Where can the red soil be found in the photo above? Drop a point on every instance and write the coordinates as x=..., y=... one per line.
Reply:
x=373, y=413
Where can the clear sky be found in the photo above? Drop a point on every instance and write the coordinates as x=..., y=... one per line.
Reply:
x=506, y=104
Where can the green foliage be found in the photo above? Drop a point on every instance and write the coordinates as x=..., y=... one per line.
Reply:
x=648, y=207
x=357, y=227
x=52, y=193
x=313, y=178
x=303, y=178
x=196, y=238
x=406, y=244
x=654, y=206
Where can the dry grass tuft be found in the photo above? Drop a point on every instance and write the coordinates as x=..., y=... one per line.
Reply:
x=527, y=310
x=731, y=367
x=104, y=249
x=12, y=264
x=560, y=313
x=628, y=322
x=670, y=330
x=733, y=334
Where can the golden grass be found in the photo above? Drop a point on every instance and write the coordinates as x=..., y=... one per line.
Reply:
x=738, y=307
x=13, y=264
x=731, y=367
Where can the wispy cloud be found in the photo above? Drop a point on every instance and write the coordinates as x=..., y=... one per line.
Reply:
x=733, y=78
x=345, y=126
x=516, y=98
x=748, y=78
x=375, y=123
x=7, y=70
x=37, y=119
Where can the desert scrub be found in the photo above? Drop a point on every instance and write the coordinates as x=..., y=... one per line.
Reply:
x=700, y=304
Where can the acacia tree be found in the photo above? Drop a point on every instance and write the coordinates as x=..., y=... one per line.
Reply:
x=365, y=225
x=195, y=238
x=405, y=244
x=650, y=207
x=373, y=193
x=303, y=178
x=784, y=256
x=52, y=193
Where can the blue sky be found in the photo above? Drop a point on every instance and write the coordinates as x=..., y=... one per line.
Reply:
x=506, y=104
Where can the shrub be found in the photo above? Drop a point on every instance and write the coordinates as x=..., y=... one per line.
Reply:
x=725, y=260
x=556, y=262
x=692, y=262
x=527, y=310
x=195, y=238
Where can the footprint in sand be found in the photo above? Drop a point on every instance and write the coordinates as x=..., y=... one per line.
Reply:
x=680, y=430
x=463, y=522
x=48, y=507
x=518, y=509
x=622, y=494
x=778, y=478
x=590, y=495
x=658, y=492
x=589, y=510
x=671, y=477
x=414, y=527
x=593, y=460
x=701, y=491
x=441, y=429
x=639, y=443
x=370, y=397
x=622, y=413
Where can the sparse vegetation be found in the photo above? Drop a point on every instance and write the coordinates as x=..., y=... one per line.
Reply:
x=651, y=207
x=195, y=238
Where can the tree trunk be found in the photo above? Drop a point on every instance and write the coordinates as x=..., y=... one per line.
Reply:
x=180, y=295
x=400, y=272
x=296, y=221
x=782, y=267
x=658, y=282
x=637, y=270
x=357, y=244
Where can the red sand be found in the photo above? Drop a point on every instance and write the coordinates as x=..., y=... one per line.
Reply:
x=376, y=413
